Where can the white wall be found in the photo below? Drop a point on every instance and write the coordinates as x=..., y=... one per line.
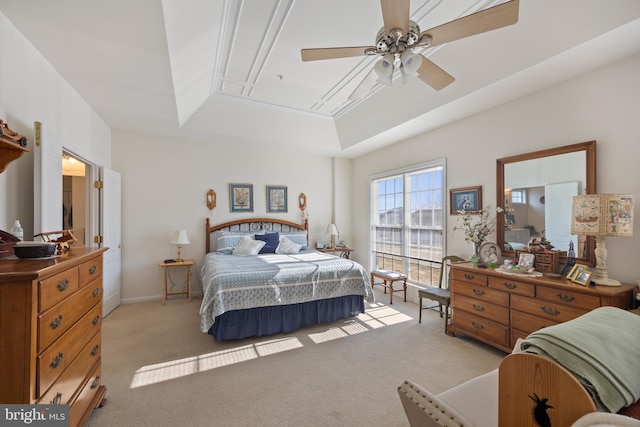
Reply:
x=164, y=186
x=601, y=105
x=31, y=90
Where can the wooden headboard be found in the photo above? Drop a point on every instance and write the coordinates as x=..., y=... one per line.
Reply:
x=255, y=224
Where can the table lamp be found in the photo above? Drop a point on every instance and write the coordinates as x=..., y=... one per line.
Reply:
x=602, y=215
x=333, y=231
x=179, y=238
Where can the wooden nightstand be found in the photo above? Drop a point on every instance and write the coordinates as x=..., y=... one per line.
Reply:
x=343, y=251
x=184, y=263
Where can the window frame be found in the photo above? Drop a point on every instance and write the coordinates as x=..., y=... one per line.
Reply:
x=406, y=230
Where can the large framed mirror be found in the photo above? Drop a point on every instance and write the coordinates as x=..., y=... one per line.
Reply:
x=536, y=189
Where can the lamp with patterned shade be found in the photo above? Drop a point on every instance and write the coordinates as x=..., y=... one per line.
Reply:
x=602, y=215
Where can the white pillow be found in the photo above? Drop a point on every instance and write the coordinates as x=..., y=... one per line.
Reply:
x=287, y=246
x=248, y=246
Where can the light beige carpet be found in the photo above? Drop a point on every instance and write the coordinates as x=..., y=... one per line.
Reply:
x=160, y=370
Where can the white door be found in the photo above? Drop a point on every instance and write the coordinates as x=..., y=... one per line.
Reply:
x=557, y=214
x=110, y=229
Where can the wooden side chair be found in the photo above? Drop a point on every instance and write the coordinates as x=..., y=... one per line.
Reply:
x=441, y=294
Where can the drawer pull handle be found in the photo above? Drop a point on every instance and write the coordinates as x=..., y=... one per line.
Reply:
x=63, y=285
x=56, y=361
x=95, y=292
x=566, y=298
x=56, y=322
x=95, y=320
x=551, y=311
x=56, y=400
x=468, y=276
x=477, y=325
x=95, y=350
x=92, y=269
x=478, y=292
x=96, y=382
x=478, y=307
x=509, y=285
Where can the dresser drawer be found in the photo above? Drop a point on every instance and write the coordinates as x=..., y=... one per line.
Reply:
x=481, y=293
x=546, y=309
x=569, y=297
x=469, y=277
x=53, y=361
x=514, y=286
x=65, y=387
x=545, y=258
x=53, y=323
x=85, y=397
x=528, y=323
x=90, y=271
x=545, y=268
x=481, y=308
x=56, y=288
x=477, y=326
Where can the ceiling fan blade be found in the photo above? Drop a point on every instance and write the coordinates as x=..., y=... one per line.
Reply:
x=503, y=15
x=433, y=75
x=365, y=86
x=315, y=54
x=395, y=14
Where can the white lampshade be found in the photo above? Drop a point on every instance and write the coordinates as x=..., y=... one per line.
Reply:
x=384, y=69
x=180, y=238
x=332, y=230
x=602, y=215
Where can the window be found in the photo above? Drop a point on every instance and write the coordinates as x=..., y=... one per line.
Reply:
x=518, y=197
x=408, y=220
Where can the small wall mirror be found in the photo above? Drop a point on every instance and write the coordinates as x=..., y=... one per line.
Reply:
x=537, y=189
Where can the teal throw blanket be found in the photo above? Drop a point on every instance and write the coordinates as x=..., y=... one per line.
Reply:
x=601, y=348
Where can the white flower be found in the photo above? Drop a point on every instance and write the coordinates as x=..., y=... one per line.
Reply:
x=477, y=232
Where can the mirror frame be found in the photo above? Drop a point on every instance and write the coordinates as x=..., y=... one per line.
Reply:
x=589, y=147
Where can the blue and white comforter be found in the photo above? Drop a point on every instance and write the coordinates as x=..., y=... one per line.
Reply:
x=239, y=282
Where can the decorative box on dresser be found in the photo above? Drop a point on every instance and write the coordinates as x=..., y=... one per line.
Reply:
x=497, y=308
x=50, y=331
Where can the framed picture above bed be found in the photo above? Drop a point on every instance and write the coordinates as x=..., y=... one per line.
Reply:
x=241, y=197
x=468, y=199
x=276, y=199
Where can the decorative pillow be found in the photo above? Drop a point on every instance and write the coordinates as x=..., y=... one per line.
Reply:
x=248, y=246
x=233, y=238
x=299, y=237
x=226, y=244
x=287, y=246
x=272, y=241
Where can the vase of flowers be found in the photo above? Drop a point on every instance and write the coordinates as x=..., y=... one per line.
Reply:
x=476, y=232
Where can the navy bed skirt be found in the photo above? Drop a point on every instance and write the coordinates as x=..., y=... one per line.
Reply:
x=260, y=321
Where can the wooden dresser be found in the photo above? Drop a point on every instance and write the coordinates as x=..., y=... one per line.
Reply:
x=498, y=308
x=50, y=331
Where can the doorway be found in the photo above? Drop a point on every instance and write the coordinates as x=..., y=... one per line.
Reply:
x=74, y=200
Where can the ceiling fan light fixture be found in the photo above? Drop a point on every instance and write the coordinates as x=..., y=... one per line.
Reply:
x=384, y=69
x=410, y=65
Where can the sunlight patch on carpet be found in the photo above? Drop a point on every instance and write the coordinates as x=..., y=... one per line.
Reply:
x=376, y=316
x=160, y=372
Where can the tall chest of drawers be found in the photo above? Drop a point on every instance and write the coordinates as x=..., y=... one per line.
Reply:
x=50, y=331
x=497, y=309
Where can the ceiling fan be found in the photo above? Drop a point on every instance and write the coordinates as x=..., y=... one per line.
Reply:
x=399, y=36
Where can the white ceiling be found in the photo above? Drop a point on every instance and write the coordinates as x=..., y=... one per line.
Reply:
x=229, y=71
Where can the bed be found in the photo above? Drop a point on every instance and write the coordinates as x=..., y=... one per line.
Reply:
x=583, y=372
x=282, y=287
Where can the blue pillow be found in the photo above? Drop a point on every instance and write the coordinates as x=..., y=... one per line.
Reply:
x=272, y=241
